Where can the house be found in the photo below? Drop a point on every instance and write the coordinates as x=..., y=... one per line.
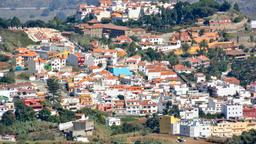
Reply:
x=221, y=88
x=249, y=112
x=253, y=24
x=236, y=54
x=82, y=128
x=119, y=107
x=6, y=106
x=113, y=121
x=71, y=103
x=101, y=14
x=103, y=30
x=84, y=10
x=231, y=80
x=76, y=59
x=8, y=138
x=214, y=106
x=252, y=88
x=37, y=65
x=133, y=62
x=200, y=77
x=35, y=103
x=132, y=107
x=195, y=128
x=167, y=125
x=189, y=113
x=231, y=128
x=179, y=68
x=122, y=39
x=134, y=12
x=57, y=64
x=232, y=111
x=86, y=100
x=23, y=56
x=148, y=107
x=199, y=61
x=154, y=39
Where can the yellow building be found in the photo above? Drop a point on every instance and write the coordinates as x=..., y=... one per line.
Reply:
x=166, y=123
x=228, y=129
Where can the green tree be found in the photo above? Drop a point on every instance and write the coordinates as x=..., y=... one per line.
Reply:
x=44, y=114
x=66, y=115
x=15, y=22
x=23, y=112
x=54, y=92
x=201, y=32
x=248, y=137
x=244, y=70
x=236, y=7
x=171, y=110
x=121, y=97
x=225, y=6
x=203, y=45
x=153, y=123
x=185, y=47
x=94, y=114
x=8, y=118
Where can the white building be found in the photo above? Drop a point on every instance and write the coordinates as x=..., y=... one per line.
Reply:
x=191, y=113
x=134, y=12
x=253, y=24
x=102, y=15
x=58, y=63
x=221, y=88
x=71, y=103
x=181, y=89
x=214, y=106
x=36, y=66
x=154, y=39
x=195, y=129
x=232, y=111
x=110, y=121
x=200, y=77
x=170, y=47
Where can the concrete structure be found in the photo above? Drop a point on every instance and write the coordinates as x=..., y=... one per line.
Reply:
x=168, y=125
x=195, y=129
x=190, y=113
x=232, y=111
x=113, y=121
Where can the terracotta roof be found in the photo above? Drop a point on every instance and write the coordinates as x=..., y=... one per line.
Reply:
x=234, y=52
x=203, y=58
x=168, y=73
x=232, y=80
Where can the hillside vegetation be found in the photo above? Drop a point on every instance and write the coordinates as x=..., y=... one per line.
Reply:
x=12, y=40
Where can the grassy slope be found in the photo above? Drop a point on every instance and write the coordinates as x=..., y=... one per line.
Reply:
x=12, y=40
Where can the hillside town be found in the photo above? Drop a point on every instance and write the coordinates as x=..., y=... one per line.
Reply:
x=196, y=82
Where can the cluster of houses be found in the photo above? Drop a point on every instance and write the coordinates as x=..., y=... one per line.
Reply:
x=111, y=81
x=122, y=35
x=120, y=10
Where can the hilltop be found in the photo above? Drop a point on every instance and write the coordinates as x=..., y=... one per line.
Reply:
x=47, y=9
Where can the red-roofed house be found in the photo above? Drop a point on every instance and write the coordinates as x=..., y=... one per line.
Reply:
x=122, y=39
x=249, y=112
